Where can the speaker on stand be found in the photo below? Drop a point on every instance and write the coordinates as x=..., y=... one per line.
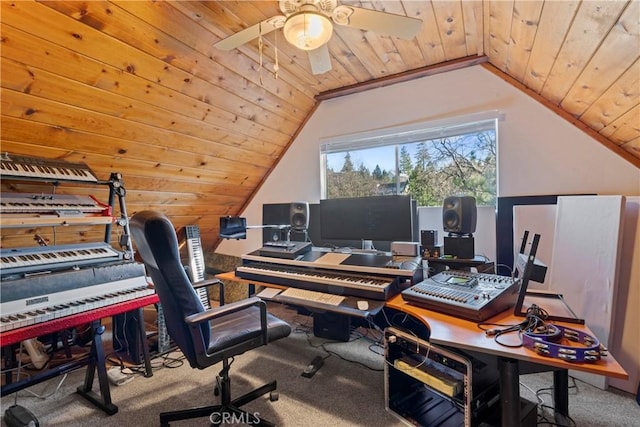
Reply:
x=459, y=219
x=299, y=218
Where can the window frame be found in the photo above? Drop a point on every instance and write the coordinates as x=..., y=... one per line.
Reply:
x=408, y=134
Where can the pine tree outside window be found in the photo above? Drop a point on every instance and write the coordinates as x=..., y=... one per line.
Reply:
x=429, y=161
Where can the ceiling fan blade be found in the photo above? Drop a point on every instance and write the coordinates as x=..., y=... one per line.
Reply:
x=380, y=22
x=250, y=33
x=320, y=60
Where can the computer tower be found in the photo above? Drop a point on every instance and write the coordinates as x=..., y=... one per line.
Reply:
x=333, y=326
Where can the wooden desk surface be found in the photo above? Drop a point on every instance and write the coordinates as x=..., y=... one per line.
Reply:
x=465, y=334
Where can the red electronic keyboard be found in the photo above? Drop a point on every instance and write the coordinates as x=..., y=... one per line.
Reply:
x=38, y=305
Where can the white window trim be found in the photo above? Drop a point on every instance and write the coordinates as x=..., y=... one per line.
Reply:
x=413, y=132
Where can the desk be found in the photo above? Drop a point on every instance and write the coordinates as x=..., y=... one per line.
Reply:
x=95, y=360
x=462, y=334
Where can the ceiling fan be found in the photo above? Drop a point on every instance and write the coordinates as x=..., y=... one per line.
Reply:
x=308, y=25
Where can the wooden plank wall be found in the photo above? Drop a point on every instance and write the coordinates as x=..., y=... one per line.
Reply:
x=72, y=90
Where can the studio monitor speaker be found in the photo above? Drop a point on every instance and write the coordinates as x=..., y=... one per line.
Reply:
x=299, y=216
x=459, y=214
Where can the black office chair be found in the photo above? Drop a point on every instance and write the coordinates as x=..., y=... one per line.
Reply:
x=206, y=337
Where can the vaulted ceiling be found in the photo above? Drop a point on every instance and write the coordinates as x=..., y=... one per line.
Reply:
x=138, y=86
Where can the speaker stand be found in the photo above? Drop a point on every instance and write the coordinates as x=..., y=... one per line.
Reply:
x=305, y=231
x=459, y=245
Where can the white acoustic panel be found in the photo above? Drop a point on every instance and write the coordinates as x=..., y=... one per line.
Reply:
x=584, y=267
x=625, y=342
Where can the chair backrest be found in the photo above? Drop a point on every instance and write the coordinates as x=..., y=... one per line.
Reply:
x=157, y=244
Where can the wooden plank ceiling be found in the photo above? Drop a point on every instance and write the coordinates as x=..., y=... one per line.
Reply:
x=137, y=86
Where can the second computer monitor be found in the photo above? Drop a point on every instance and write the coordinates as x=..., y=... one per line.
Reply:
x=376, y=218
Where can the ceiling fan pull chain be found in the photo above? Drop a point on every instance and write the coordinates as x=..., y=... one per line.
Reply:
x=276, y=67
x=260, y=44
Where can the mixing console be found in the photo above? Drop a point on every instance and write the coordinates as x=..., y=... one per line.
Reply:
x=472, y=296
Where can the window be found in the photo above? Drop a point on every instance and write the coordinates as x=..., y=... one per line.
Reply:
x=429, y=161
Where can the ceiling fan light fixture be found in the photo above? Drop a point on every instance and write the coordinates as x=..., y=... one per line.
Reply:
x=308, y=30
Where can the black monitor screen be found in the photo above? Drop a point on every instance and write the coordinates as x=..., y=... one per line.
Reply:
x=233, y=227
x=384, y=218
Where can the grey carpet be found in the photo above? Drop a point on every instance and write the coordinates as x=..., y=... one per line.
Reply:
x=347, y=391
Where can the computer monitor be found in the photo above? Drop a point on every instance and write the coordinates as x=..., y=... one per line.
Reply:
x=376, y=218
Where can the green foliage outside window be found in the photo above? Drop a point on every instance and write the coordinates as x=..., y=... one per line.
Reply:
x=429, y=171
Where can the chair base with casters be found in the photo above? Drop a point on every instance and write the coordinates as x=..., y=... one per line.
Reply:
x=228, y=411
x=205, y=336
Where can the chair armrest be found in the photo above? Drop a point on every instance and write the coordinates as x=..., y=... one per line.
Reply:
x=207, y=282
x=195, y=320
x=223, y=310
x=211, y=282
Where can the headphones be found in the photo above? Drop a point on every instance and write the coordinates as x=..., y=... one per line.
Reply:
x=546, y=340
